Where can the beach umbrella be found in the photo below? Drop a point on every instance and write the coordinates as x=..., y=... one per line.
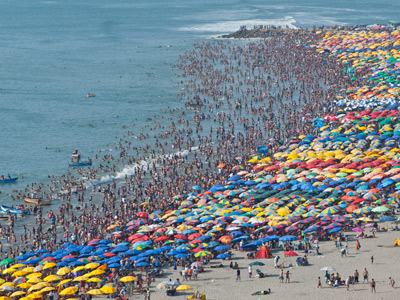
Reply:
x=387, y=219
x=328, y=269
x=63, y=271
x=334, y=230
x=358, y=229
x=7, y=261
x=128, y=279
x=52, y=278
x=64, y=282
x=94, y=279
x=184, y=287
x=38, y=286
x=202, y=253
x=80, y=278
x=108, y=290
x=17, y=293
x=288, y=238
x=46, y=289
x=24, y=285
x=380, y=209
x=35, y=280
x=95, y=292
x=69, y=291
x=223, y=256
x=290, y=253
x=256, y=263
x=5, y=298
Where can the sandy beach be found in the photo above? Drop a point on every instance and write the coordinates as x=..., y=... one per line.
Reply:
x=221, y=284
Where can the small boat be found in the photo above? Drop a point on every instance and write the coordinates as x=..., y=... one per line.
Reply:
x=80, y=164
x=3, y=217
x=90, y=95
x=40, y=201
x=13, y=211
x=8, y=180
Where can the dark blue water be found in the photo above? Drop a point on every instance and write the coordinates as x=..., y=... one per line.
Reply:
x=55, y=52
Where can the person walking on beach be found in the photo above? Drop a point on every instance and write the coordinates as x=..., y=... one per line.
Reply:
x=281, y=276
x=358, y=245
x=373, y=286
x=365, y=273
x=391, y=282
x=238, y=275
x=287, y=280
x=372, y=259
x=250, y=271
x=319, y=283
x=348, y=283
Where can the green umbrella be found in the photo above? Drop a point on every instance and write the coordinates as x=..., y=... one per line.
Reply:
x=7, y=261
x=256, y=263
x=380, y=209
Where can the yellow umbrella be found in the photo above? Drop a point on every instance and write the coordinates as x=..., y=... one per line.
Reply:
x=17, y=293
x=35, y=280
x=94, y=279
x=24, y=285
x=52, y=278
x=108, y=290
x=34, y=275
x=19, y=273
x=69, y=291
x=25, y=298
x=9, y=271
x=97, y=272
x=63, y=271
x=34, y=296
x=48, y=289
x=16, y=266
x=38, y=286
x=92, y=265
x=5, y=298
x=12, y=284
x=64, y=282
x=80, y=278
x=77, y=269
x=184, y=287
x=95, y=292
x=49, y=266
x=2, y=281
x=128, y=279
x=28, y=270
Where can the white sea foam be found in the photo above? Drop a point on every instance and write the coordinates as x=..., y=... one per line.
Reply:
x=231, y=26
x=130, y=170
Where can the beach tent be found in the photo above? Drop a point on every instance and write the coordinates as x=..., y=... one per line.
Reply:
x=396, y=243
x=263, y=252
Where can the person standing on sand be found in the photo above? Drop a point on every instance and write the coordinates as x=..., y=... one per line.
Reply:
x=348, y=283
x=356, y=275
x=238, y=275
x=373, y=286
x=372, y=259
x=358, y=245
x=319, y=283
x=281, y=276
x=287, y=280
x=365, y=273
x=250, y=271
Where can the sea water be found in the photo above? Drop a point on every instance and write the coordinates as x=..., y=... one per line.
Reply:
x=52, y=53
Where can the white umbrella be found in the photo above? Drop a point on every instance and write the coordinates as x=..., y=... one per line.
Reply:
x=328, y=269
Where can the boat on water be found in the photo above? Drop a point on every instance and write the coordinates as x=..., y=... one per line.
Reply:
x=90, y=95
x=80, y=163
x=40, y=201
x=8, y=180
x=13, y=211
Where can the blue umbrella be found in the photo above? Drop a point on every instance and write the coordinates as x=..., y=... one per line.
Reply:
x=142, y=264
x=76, y=263
x=223, y=256
x=172, y=253
x=104, y=242
x=238, y=239
x=69, y=259
x=41, y=251
x=196, y=187
x=236, y=233
x=115, y=265
x=387, y=219
x=87, y=249
x=140, y=259
x=222, y=248
x=120, y=249
x=62, y=264
x=234, y=178
x=181, y=255
x=288, y=238
x=334, y=230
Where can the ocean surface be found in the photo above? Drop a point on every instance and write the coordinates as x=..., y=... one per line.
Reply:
x=52, y=53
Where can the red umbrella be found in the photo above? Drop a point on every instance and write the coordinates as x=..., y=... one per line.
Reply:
x=180, y=237
x=142, y=215
x=67, y=256
x=135, y=236
x=161, y=238
x=109, y=254
x=194, y=236
x=290, y=253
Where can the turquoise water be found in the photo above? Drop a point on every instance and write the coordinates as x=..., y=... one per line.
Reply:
x=55, y=52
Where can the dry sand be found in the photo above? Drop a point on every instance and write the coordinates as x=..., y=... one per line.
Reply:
x=220, y=284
